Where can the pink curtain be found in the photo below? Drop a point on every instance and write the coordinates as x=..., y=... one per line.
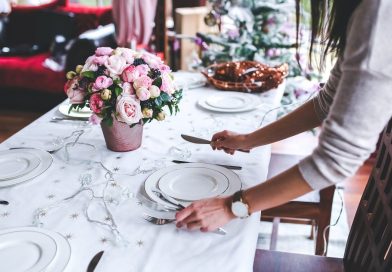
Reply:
x=134, y=20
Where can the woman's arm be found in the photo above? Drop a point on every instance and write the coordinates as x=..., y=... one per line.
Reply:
x=210, y=214
x=302, y=119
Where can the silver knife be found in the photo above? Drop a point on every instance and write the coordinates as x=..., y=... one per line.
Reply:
x=197, y=140
x=232, y=167
x=4, y=202
x=94, y=261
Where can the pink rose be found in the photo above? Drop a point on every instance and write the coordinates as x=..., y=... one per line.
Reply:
x=100, y=60
x=164, y=68
x=128, y=55
x=167, y=84
x=143, y=69
x=90, y=65
x=127, y=88
x=143, y=94
x=152, y=60
x=103, y=51
x=130, y=74
x=75, y=94
x=95, y=119
x=128, y=109
x=96, y=103
x=115, y=64
x=102, y=82
x=143, y=81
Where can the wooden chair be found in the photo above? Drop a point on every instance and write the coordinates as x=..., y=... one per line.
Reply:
x=313, y=209
x=369, y=245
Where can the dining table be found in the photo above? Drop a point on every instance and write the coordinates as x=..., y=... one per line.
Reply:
x=91, y=195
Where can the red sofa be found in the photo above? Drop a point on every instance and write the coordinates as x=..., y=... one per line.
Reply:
x=26, y=73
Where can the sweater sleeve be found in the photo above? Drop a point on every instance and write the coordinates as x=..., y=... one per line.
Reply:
x=322, y=102
x=361, y=106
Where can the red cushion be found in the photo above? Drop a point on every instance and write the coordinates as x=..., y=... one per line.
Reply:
x=28, y=72
x=89, y=17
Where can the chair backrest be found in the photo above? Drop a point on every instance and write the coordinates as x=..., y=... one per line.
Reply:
x=369, y=245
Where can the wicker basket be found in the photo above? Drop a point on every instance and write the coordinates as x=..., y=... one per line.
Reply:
x=245, y=76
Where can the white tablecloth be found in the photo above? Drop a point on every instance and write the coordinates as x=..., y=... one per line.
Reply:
x=150, y=247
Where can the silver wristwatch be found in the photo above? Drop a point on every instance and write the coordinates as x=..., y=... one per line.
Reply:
x=239, y=207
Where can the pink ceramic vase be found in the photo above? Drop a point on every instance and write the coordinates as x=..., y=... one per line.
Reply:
x=121, y=137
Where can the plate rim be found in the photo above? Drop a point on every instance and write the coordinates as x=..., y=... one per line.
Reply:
x=226, y=186
x=63, y=109
x=57, y=237
x=44, y=234
x=150, y=179
x=256, y=103
x=26, y=171
x=44, y=165
x=246, y=100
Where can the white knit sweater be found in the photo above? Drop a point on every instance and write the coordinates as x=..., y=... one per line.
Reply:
x=356, y=102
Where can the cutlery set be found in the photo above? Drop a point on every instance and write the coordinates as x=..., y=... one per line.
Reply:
x=179, y=207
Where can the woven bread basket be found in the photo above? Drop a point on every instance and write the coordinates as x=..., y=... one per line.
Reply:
x=245, y=76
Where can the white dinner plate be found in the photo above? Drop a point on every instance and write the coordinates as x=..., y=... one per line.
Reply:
x=45, y=161
x=33, y=249
x=189, y=80
x=190, y=184
x=16, y=163
x=230, y=102
x=236, y=101
x=84, y=113
x=152, y=181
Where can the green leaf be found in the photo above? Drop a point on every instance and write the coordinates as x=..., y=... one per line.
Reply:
x=88, y=74
x=158, y=101
x=157, y=82
x=117, y=90
x=165, y=97
x=108, y=121
x=170, y=108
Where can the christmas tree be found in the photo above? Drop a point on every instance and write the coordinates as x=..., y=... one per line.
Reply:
x=265, y=31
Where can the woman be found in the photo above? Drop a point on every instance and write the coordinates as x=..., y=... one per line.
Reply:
x=352, y=108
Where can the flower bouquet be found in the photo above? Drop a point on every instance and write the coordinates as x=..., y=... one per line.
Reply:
x=124, y=89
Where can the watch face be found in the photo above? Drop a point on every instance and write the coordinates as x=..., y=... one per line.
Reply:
x=239, y=209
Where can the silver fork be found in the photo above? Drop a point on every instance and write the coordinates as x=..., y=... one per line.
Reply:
x=158, y=221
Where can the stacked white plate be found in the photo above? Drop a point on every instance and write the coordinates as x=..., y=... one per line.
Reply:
x=189, y=80
x=33, y=249
x=20, y=165
x=192, y=181
x=230, y=102
x=83, y=113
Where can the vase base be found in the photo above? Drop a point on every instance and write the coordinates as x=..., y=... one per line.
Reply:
x=120, y=137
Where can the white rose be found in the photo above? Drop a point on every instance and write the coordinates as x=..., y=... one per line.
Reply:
x=116, y=64
x=143, y=94
x=128, y=109
x=154, y=91
x=90, y=65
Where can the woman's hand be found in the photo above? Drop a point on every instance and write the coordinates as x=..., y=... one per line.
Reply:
x=229, y=141
x=206, y=215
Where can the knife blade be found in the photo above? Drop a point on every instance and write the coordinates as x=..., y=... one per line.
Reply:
x=197, y=140
x=94, y=261
x=232, y=167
